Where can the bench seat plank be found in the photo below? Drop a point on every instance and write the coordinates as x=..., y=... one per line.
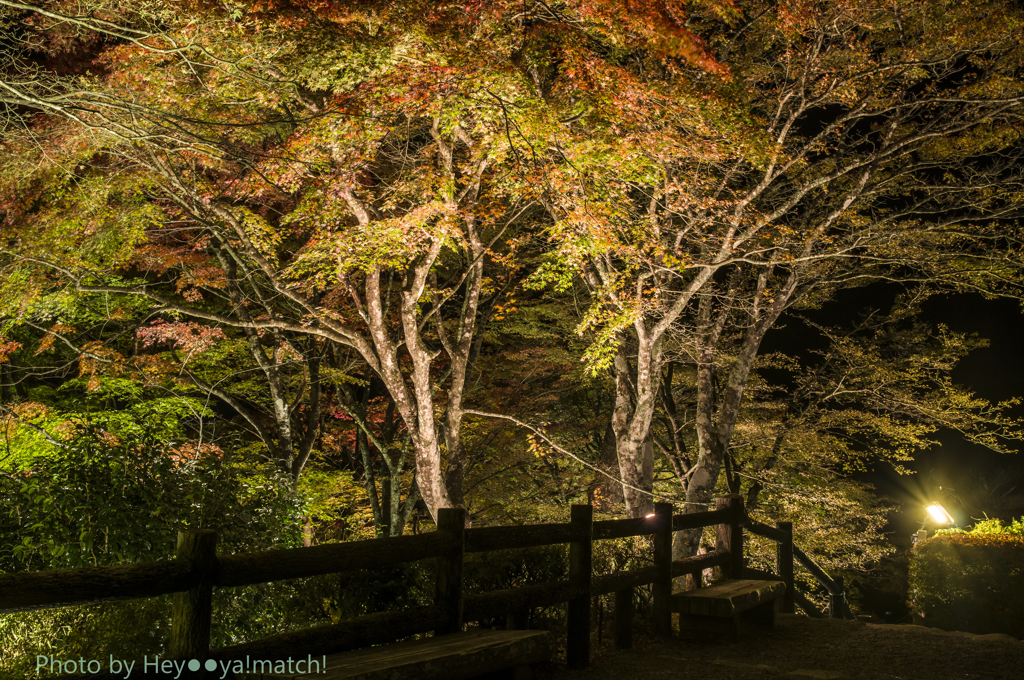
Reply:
x=451, y=657
x=728, y=597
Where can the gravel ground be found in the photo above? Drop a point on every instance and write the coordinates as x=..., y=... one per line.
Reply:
x=800, y=647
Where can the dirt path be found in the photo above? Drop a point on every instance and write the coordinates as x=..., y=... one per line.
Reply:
x=802, y=648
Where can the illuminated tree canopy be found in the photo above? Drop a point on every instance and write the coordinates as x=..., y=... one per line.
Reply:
x=507, y=254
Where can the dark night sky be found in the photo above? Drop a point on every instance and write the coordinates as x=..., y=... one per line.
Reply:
x=995, y=372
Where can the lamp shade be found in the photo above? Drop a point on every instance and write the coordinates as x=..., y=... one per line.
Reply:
x=939, y=514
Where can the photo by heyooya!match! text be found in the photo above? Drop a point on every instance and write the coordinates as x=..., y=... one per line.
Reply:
x=128, y=668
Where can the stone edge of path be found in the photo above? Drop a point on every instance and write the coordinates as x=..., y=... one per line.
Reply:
x=988, y=637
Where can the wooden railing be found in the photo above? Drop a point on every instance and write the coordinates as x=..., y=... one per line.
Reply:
x=197, y=569
x=786, y=551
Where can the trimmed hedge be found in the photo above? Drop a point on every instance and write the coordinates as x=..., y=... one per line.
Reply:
x=970, y=581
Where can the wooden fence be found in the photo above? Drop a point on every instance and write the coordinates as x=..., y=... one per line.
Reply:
x=197, y=569
x=786, y=551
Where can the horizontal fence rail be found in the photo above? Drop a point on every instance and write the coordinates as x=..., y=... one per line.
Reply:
x=527, y=536
x=498, y=603
x=773, y=533
x=280, y=565
x=696, y=520
x=65, y=587
x=692, y=565
x=197, y=570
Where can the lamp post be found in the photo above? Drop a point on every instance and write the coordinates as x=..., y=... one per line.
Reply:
x=937, y=514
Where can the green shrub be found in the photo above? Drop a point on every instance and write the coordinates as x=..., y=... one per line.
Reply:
x=125, y=630
x=104, y=501
x=971, y=580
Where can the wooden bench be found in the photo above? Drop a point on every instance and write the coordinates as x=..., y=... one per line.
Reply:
x=459, y=656
x=713, y=613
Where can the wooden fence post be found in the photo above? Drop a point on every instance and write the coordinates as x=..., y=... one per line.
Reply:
x=192, y=609
x=577, y=648
x=784, y=565
x=837, y=600
x=448, y=593
x=624, y=618
x=517, y=619
x=661, y=590
x=730, y=536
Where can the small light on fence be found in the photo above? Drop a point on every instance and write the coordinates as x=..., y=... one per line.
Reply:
x=939, y=514
x=651, y=515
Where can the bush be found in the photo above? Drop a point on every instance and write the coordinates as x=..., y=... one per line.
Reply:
x=104, y=501
x=125, y=630
x=971, y=580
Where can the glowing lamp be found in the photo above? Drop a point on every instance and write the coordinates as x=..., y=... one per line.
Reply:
x=650, y=516
x=939, y=514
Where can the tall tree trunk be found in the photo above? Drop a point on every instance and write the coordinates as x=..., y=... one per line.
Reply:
x=609, y=486
x=383, y=482
x=716, y=418
x=460, y=350
x=631, y=421
x=416, y=405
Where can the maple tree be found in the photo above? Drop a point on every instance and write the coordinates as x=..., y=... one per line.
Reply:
x=203, y=203
x=350, y=196
x=854, y=142
x=341, y=223
x=867, y=394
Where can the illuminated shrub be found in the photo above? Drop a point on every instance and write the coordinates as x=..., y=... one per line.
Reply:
x=971, y=580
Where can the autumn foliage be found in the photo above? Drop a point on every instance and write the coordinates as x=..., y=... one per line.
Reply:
x=468, y=251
